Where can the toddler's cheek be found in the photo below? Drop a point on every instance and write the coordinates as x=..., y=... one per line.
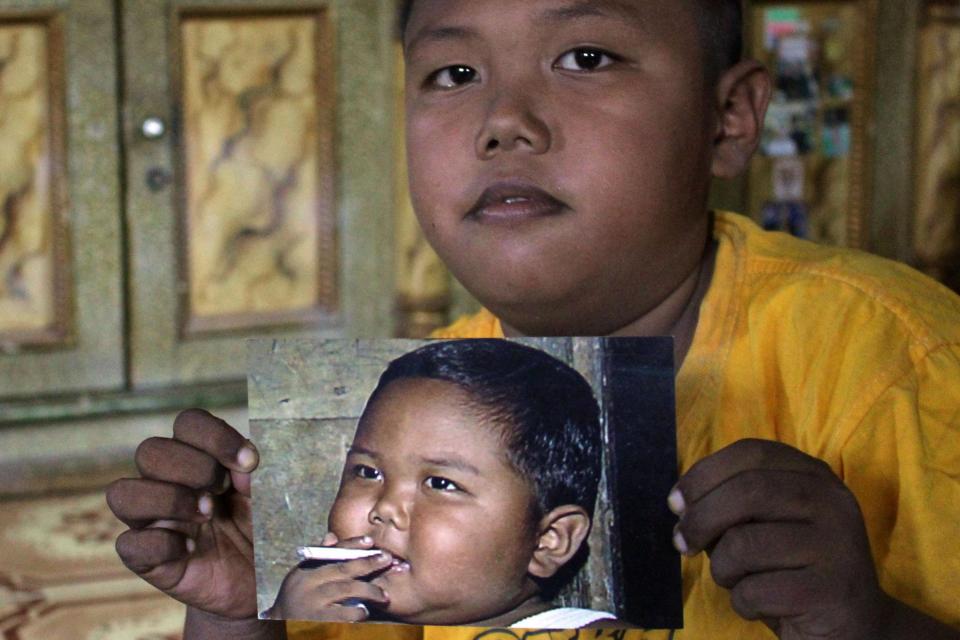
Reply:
x=347, y=519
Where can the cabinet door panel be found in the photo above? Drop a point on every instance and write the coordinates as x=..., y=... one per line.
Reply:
x=257, y=205
x=265, y=207
x=60, y=283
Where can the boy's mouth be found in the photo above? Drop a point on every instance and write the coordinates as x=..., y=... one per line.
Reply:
x=398, y=565
x=513, y=202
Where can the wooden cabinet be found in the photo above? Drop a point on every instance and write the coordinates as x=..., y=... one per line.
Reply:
x=266, y=208
x=181, y=176
x=61, y=258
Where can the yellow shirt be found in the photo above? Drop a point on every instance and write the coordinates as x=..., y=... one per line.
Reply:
x=850, y=358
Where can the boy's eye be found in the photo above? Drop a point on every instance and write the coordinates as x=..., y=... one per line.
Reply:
x=366, y=472
x=585, y=59
x=452, y=77
x=439, y=483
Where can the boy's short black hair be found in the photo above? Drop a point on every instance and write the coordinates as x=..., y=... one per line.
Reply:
x=543, y=409
x=721, y=28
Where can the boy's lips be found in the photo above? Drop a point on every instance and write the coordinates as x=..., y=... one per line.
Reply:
x=399, y=564
x=511, y=202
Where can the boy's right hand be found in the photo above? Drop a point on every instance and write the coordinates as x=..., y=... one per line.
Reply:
x=328, y=592
x=189, y=515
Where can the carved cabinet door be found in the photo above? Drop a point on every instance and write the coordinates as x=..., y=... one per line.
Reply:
x=259, y=171
x=61, y=309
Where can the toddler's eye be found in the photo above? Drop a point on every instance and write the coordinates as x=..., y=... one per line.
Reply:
x=452, y=77
x=439, y=483
x=366, y=472
x=585, y=59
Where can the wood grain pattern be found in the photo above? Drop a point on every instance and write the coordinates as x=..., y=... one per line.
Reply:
x=937, y=216
x=28, y=263
x=258, y=221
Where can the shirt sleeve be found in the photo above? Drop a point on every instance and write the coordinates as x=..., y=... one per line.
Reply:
x=903, y=464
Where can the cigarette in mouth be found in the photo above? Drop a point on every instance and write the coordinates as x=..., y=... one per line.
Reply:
x=334, y=554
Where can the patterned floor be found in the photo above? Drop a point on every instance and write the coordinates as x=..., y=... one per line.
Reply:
x=60, y=577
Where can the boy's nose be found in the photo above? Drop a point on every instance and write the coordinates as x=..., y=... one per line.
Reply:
x=391, y=509
x=511, y=125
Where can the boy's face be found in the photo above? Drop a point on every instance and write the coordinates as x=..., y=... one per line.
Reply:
x=561, y=167
x=430, y=484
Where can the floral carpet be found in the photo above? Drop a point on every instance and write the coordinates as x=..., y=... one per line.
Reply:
x=60, y=577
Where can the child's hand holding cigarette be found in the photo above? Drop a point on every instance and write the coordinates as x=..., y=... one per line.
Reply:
x=335, y=591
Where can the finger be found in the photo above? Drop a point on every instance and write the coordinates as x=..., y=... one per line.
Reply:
x=360, y=542
x=138, y=503
x=189, y=529
x=144, y=550
x=329, y=539
x=776, y=594
x=745, y=455
x=169, y=460
x=751, y=496
x=241, y=482
x=342, y=613
x=351, y=590
x=762, y=547
x=364, y=566
x=348, y=570
x=212, y=435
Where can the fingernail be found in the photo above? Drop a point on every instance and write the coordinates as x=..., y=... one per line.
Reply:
x=384, y=556
x=680, y=543
x=205, y=505
x=676, y=502
x=191, y=546
x=327, y=540
x=247, y=457
x=366, y=540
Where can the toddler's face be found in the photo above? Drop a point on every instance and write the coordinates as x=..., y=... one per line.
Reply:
x=560, y=153
x=432, y=486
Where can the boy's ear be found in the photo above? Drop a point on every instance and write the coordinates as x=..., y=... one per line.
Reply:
x=562, y=532
x=743, y=94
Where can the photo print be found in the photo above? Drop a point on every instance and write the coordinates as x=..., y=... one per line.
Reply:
x=509, y=482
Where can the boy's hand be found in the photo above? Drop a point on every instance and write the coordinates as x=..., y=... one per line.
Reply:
x=189, y=515
x=786, y=537
x=332, y=592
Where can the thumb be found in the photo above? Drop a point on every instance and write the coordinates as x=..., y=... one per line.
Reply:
x=329, y=540
x=241, y=482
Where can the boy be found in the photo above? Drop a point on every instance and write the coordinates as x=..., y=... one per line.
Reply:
x=560, y=155
x=475, y=468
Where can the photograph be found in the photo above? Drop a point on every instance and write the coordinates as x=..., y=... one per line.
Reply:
x=484, y=482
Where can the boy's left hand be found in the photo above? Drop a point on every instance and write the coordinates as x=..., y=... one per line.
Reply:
x=786, y=537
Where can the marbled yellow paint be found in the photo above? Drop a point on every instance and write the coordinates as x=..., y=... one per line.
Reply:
x=253, y=196
x=27, y=259
x=937, y=221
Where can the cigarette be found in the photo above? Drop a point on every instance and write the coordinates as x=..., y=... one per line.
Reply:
x=334, y=554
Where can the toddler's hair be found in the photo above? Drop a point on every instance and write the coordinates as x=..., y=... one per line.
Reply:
x=544, y=411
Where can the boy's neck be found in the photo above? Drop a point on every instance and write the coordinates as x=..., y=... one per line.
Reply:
x=527, y=608
x=677, y=315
